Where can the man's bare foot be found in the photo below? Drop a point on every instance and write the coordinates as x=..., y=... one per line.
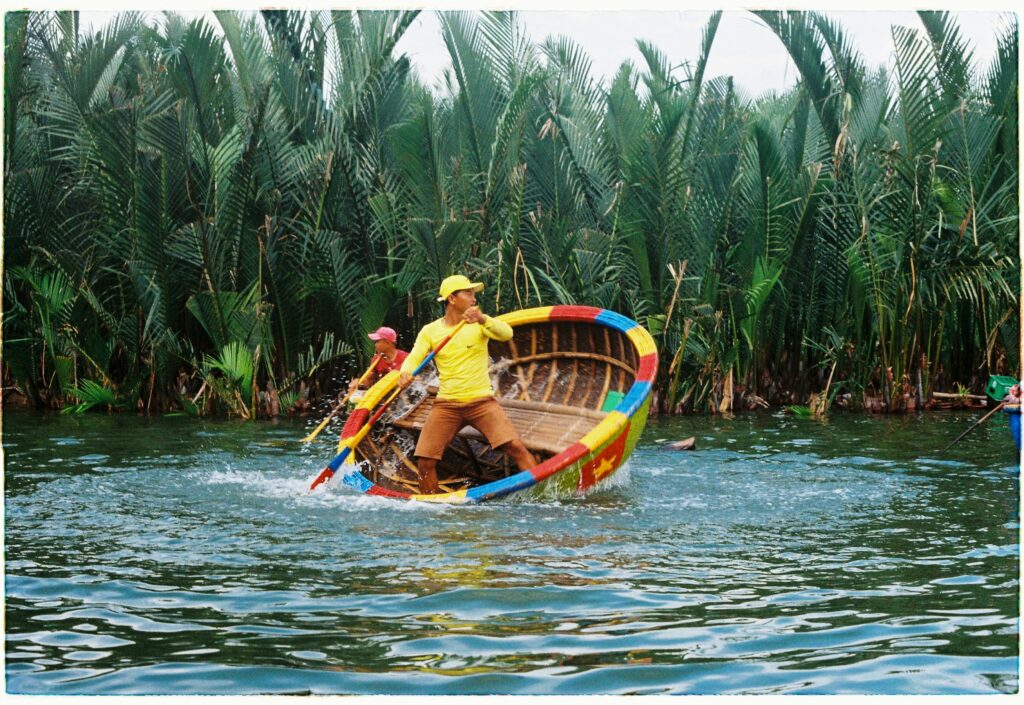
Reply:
x=428, y=480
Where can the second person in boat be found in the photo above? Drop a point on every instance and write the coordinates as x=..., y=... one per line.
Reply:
x=389, y=357
x=465, y=395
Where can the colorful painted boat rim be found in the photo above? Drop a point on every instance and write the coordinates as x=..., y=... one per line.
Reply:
x=632, y=407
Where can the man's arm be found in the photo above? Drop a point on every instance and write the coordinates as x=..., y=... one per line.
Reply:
x=496, y=330
x=492, y=328
x=418, y=354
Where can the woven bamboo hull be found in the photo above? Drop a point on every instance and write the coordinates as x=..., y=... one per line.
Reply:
x=563, y=365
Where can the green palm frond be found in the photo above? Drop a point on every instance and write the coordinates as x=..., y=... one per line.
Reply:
x=1000, y=86
x=478, y=99
x=952, y=55
x=441, y=248
x=847, y=66
x=417, y=148
x=697, y=82
x=90, y=394
x=228, y=316
x=84, y=70
x=798, y=34
x=508, y=48
x=921, y=122
x=234, y=384
x=247, y=55
x=15, y=45
x=329, y=350
x=196, y=63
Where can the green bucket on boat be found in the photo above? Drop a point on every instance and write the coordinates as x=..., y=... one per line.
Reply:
x=612, y=400
x=998, y=386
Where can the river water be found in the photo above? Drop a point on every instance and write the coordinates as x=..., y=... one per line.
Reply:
x=784, y=555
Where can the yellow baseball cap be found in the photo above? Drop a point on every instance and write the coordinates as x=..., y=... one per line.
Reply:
x=457, y=282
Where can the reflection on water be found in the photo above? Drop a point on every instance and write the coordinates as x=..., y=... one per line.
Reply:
x=784, y=555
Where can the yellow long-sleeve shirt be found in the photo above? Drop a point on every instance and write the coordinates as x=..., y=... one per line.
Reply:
x=462, y=363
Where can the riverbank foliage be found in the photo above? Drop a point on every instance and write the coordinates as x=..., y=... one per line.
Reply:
x=234, y=205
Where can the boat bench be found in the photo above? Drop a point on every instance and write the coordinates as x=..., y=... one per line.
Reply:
x=544, y=428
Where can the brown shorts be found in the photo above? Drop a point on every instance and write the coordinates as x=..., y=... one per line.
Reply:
x=447, y=418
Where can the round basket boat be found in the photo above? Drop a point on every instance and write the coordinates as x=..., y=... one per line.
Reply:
x=575, y=381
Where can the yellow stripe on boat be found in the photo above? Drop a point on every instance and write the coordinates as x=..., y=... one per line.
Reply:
x=541, y=314
x=610, y=427
x=458, y=497
x=642, y=340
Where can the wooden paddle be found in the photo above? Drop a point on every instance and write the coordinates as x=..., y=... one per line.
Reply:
x=337, y=407
x=983, y=420
x=328, y=472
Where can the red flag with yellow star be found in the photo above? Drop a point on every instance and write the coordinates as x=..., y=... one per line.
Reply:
x=605, y=462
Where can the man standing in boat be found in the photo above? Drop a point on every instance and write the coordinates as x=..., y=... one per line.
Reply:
x=465, y=395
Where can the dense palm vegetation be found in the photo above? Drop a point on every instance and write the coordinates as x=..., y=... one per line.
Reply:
x=237, y=205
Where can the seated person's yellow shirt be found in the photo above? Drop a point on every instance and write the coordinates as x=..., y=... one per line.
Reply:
x=462, y=363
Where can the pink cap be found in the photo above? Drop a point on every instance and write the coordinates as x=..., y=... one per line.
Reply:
x=384, y=333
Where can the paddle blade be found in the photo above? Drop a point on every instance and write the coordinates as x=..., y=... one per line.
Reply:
x=325, y=475
x=332, y=467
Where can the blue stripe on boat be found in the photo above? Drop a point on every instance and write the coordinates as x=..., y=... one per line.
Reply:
x=637, y=393
x=337, y=460
x=502, y=487
x=1014, y=416
x=356, y=480
x=616, y=321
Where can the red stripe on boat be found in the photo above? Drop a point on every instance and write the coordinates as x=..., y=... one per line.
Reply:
x=605, y=462
x=557, y=462
x=648, y=368
x=355, y=422
x=384, y=492
x=574, y=313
